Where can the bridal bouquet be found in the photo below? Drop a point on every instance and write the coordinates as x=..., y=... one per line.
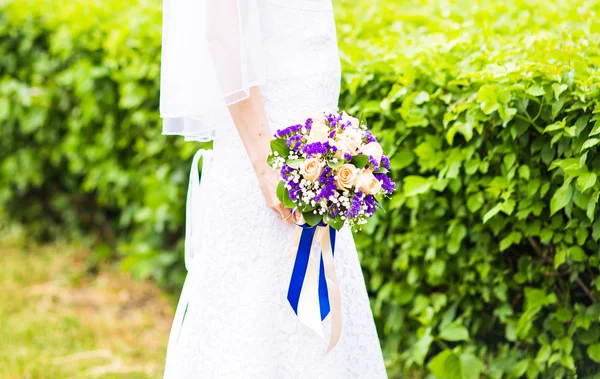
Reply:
x=332, y=172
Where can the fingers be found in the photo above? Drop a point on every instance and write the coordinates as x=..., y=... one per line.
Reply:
x=284, y=213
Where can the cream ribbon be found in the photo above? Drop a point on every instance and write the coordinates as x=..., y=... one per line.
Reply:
x=309, y=310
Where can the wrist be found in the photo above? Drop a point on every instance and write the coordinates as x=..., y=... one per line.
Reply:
x=260, y=166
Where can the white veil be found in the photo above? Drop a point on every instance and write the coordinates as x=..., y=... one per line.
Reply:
x=211, y=55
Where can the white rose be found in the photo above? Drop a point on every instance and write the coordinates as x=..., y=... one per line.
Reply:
x=353, y=120
x=374, y=149
x=349, y=140
x=368, y=183
x=319, y=132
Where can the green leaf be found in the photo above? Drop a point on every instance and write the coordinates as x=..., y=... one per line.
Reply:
x=421, y=347
x=360, y=160
x=475, y=202
x=454, y=332
x=437, y=364
x=294, y=163
x=453, y=367
x=594, y=352
x=492, y=212
x=336, y=165
x=459, y=232
x=307, y=207
x=421, y=98
x=402, y=159
x=586, y=181
x=560, y=257
x=561, y=198
x=543, y=354
x=472, y=367
x=278, y=145
x=287, y=200
x=415, y=185
x=595, y=129
x=311, y=218
x=577, y=254
x=512, y=238
x=590, y=143
x=535, y=90
x=560, y=125
x=558, y=89
x=488, y=98
x=337, y=223
x=281, y=190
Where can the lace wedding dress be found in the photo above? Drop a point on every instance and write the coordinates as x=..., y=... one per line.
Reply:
x=233, y=319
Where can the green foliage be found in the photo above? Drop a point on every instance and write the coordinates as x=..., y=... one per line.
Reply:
x=81, y=150
x=486, y=260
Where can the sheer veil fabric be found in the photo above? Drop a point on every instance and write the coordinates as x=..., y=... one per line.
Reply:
x=233, y=319
x=212, y=54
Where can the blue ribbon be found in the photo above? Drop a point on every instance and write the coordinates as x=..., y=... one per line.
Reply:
x=300, y=266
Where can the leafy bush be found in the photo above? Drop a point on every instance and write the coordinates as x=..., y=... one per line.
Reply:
x=81, y=149
x=486, y=262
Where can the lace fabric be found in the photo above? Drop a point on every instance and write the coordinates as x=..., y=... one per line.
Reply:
x=233, y=319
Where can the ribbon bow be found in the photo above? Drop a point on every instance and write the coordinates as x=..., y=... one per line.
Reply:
x=313, y=297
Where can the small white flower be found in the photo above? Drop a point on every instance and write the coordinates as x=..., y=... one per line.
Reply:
x=275, y=153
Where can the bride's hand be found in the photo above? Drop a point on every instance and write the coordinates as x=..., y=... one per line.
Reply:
x=268, y=180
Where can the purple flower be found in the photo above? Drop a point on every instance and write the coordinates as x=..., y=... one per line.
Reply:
x=330, y=187
x=288, y=130
x=385, y=162
x=308, y=123
x=371, y=205
x=333, y=210
x=285, y=170
x=373, y=162
x=356, y=204
x=348, y=156
x=294, y=142
x=386, y=183
x=370, y=137
x=315, y=148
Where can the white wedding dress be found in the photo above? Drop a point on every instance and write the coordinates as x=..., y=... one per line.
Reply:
x=233, y=319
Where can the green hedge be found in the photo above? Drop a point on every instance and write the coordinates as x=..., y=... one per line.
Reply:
x=486, y=262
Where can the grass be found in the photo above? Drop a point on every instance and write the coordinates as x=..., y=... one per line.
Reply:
x=57, y=320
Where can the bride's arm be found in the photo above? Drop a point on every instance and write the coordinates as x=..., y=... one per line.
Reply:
x=252, y=125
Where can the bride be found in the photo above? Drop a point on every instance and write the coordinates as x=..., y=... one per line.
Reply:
x=234, y=71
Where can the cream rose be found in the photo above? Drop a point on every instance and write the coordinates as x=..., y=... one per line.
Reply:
x=374, y=149
x=311, y=169
x=346, y=176
x=368, y=183
x=319, y=132
x=349, y=140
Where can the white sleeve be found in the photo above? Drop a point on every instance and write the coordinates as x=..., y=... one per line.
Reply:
x=212, y=55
